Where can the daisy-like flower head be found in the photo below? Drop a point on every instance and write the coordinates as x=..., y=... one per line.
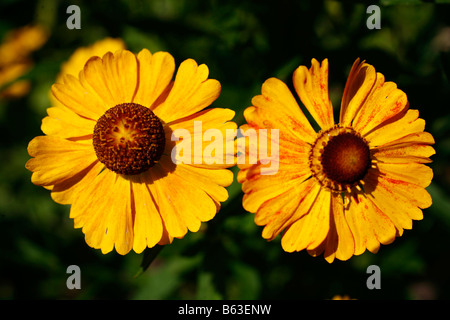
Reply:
x=107, y=150
x=349, y=187
x=15, y=59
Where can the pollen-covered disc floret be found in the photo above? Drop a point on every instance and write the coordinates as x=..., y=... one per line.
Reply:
x=129, y=139
x=340, y=158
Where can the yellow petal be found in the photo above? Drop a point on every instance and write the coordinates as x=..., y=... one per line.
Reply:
x=56, y=159
x=311, y=230
x=396, y=128
x=113, y=78
x=359, y=84
x=155, y=74
x=192, y=91
x=103, y=210
x=261, y=150
x=312, y=88
x=411, y=148
x=65, y=123
x=65, y=192
x=182, y=206
x=119, y=223
x=422, y=138
x=384, y=102
x=210, y=119
x=211, y=181
x=260, y=135
x=276, y=108
x=79, y=98
x=259, y=188
x=202, y=150
x=399, y=200
x=345, y=241
x=339, y=243
x=405, y=191
x=148, y=227
x=410, y=172
x=283, y=210
x=121, y=71
x=369, y=225
x=79, y=58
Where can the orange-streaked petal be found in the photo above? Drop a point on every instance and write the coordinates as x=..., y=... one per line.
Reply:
x=410, y=172
x=278, y=108
x=359, y=84
x=413, y=194
x=396, y=128
x=259, y=188
x=287, y=153
x=312, y=88
x=384, y=102
x=399, y=200
x=414, y=147
x=369, y=225
x=339, y=243
x=312, y=228
x=281, y=211
x=422, y=138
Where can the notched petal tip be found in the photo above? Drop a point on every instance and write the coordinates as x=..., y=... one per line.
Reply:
x=311, y=86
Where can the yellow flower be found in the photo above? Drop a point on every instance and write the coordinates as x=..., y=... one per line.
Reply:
x=350, y=186
x=339, y=297
x=107, y=151
x=15, y=58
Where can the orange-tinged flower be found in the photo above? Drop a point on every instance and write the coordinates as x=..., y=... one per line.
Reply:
x=340, y=297
x=349, y=187
x=15, y=60
x=107, y=151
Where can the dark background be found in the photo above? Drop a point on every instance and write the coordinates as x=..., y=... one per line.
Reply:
x=243, y=43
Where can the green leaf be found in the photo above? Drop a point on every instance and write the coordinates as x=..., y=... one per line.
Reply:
x=164, y=279
x=148, y=257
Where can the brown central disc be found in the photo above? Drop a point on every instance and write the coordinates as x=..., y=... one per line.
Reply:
x=129, y=139
x=346, y=158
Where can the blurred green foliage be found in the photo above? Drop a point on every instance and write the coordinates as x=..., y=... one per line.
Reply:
x=243, y=43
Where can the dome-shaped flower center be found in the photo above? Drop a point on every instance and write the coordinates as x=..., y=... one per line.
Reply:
x=129, y=139
x=340, y=158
